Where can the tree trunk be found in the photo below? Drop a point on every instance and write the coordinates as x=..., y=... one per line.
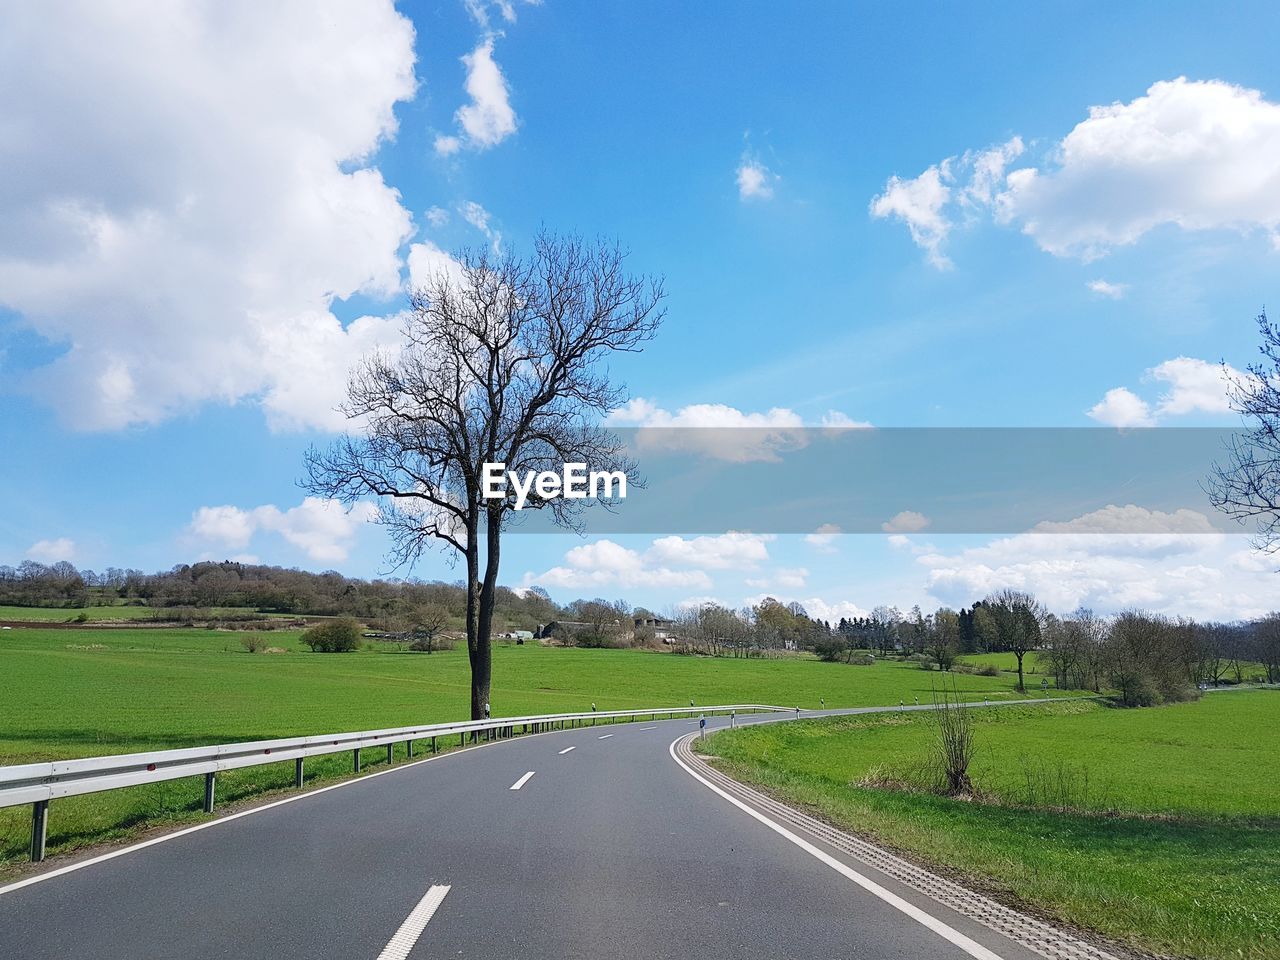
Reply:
x=477, y=652
x=1020, y=655
x=482, y=662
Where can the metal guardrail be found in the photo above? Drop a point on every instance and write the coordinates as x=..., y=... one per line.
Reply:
x=39, y=783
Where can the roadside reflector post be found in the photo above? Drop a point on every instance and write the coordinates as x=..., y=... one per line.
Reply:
x=210, y=786
x=297, y=772
x=355, y=760
x=39, y=829
x=702, y=727
x=733, y=719
x=390, y=747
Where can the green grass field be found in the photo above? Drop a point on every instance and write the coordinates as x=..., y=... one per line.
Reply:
x=1171, y=842
x=79, y=692
x=119, y=612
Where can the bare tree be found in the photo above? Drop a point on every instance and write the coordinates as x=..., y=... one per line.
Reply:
x=944, y=637
x=502, y=362
x=1017, y=618
x=426, y=624
x=1247, y=487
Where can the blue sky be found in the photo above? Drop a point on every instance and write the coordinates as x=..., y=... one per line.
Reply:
x=214, y=211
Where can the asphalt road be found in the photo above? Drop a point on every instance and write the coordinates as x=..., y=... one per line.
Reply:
x=589, y=843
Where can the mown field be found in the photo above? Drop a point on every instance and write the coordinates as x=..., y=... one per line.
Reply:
x=73, y=692
x=1159, y=827
x=117, y=612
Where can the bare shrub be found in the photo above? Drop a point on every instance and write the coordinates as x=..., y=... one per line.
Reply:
x=953, y=740
x=253, y=644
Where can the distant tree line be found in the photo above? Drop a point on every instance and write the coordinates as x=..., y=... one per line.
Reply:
x=1147, y=658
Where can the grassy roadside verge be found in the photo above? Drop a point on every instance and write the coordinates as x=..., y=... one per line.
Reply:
x=1180, y=854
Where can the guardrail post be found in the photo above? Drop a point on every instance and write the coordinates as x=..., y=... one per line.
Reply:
x=355, y=760
x=210, y=786
x=297, y=772
x=433, y=744
x=408, y=746
x=39, y=829
x=390, y=756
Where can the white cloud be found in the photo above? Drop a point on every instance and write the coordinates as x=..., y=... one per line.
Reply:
x=1096, y=562
x=784, y=578
x=836, y=420
x=198, y=193
x=437, y=216
x=1121, y=407
x=823, y=539
x=1194, y=386
x=52, y=551
x=324, y=530
x=606, y=563
x=1197, y=155
x=489, y=118
x=907, y=521
x=505, y=9
x=755, y=180
x=710, y=429
x=667, y=562
x=722, y=552
x=919, y=203
x=1104, y=288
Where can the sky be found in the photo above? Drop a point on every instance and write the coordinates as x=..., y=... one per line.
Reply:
x=1023, y=215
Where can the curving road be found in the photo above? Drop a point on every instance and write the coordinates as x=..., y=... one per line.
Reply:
x=590, y=843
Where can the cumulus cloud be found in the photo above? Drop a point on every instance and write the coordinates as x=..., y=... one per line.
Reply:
x=1121, y=407
x=180, y=210
x=1192, y=386
x=907, y=521
x=719, y=431
x=606, y=563
x=819, y=608
x=920, y=203
x=1191, y=154
x=667, y=562
x=324, y=530
x=1096, y=561
x=784, y=578
x=823, y=539
x=52, y=551
x=488, y=118
x=1104, y=288
x=755, y=180
x=722, y=552
x=931, y=203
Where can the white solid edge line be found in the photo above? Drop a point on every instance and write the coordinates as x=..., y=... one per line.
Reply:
x=971, y=947
x=142, y=845
x=566, y=750
x=643, y=729
x=522, y=781
x=605, y=736
x=402, y=941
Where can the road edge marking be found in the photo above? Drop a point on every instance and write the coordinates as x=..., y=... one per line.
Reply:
x=403, y=940
x=942, y=929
